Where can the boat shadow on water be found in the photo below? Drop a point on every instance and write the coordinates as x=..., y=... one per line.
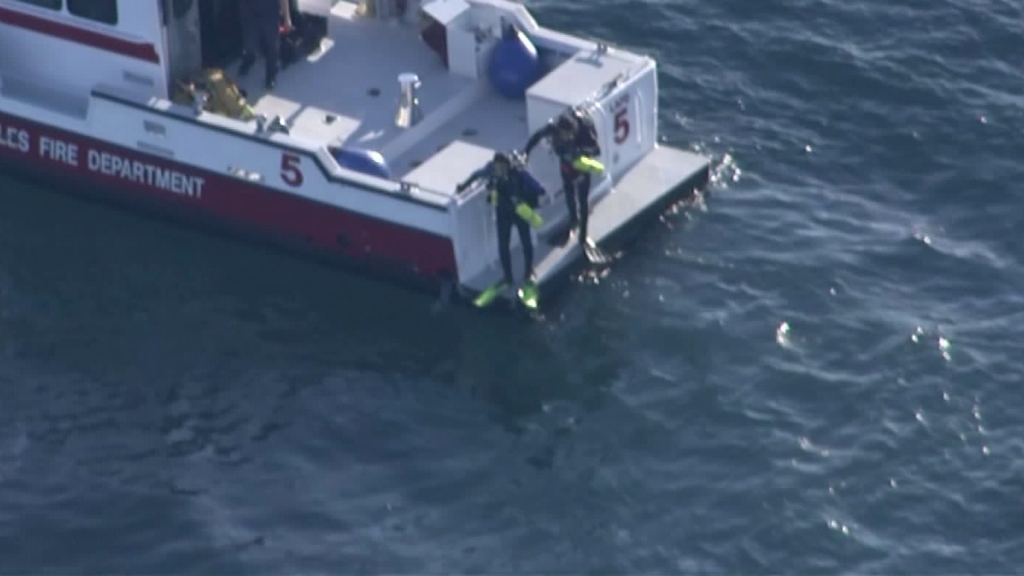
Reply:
x=238, y=305
x=524, y=370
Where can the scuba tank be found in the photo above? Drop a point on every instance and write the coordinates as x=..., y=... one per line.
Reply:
x=529, y=214
x=522, y=209
x=587, y=164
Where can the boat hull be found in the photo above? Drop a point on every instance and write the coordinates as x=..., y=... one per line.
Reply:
x=186, y=195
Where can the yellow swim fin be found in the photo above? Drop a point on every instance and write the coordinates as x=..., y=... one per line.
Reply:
x=528, y=294
x=488, y=295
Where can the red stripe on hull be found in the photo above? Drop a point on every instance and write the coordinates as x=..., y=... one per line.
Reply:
x=137, y=50
x=278, y=216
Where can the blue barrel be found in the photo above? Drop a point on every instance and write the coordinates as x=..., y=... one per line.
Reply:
x=514, y=64
x=366, y=161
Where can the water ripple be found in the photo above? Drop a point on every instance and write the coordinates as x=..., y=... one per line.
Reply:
x=813, y=368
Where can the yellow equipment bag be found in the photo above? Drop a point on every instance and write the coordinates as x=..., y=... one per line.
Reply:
x=225, y=97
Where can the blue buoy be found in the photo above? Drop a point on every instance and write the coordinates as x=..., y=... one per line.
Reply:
x=514, y=64
x=365, y=161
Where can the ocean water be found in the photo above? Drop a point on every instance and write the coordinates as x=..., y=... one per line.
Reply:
x=815, y=368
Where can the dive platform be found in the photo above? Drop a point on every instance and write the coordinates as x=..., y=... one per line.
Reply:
x=660, y=178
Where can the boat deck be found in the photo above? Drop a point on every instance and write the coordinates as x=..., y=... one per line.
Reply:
x=347, y=95
x=662, y=176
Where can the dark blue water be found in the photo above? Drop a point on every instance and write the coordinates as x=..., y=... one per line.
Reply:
x=816, y=369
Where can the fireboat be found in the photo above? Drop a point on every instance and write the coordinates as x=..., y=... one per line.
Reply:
x=381, y=109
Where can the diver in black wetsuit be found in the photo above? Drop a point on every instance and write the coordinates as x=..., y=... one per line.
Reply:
x=510, y=188
x=571, y=136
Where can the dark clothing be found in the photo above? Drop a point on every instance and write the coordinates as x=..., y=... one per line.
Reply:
x=267, y=43
x=221, y=34
x=505, y=220
x=261, y=21
x=266, y=12
x=575, y=183
x=577, y=199
x=515, y=187
x=582, y=142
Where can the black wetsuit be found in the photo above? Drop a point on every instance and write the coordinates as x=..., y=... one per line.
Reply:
x=513, y=188
x=261, y=22
x=576, y=183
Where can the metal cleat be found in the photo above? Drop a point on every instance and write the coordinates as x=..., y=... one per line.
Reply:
x=199, y=99
x=409, y=113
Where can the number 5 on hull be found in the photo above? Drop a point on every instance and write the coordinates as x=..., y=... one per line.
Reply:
x=290, y=169
x=620, y=126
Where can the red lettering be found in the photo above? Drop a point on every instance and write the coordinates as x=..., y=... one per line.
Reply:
x=290, y=172
x=621, y=128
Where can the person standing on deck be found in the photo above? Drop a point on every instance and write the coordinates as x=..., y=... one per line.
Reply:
x=514, y=194
x=261, y=22
x=574, y=140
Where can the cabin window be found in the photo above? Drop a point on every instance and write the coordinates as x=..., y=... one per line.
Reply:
x=51, y=4
x=104, y=11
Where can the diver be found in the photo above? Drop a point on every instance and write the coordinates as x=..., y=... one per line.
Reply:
x=574, y=140
x=261, y=28
x=514, y=194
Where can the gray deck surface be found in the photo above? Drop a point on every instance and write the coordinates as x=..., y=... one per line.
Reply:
x=495, y=124
x=361, y=54
x=660, y=173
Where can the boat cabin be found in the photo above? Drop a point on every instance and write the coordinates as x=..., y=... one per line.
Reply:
x=145, y=44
